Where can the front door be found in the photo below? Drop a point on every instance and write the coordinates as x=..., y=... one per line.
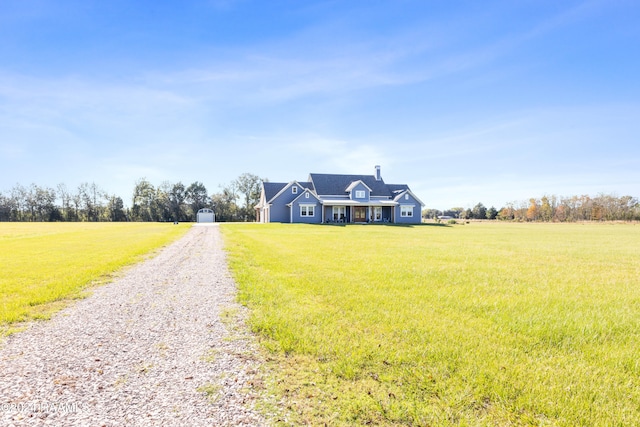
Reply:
x=360, y=214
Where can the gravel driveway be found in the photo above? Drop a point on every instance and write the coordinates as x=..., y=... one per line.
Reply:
x=162, y=345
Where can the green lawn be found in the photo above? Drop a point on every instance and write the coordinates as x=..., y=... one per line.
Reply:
x=42, y=265
x=481, y=324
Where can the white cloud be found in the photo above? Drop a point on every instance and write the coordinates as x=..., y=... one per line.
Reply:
x=340, y=156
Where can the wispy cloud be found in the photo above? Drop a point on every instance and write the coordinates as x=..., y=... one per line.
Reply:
x=73, y=107
x=307, y=65
x=430, y=97
x=344, y=156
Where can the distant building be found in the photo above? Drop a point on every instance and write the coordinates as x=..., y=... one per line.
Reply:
x=328, y=198
x=205, y=215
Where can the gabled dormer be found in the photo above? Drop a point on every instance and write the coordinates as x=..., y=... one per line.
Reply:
x=306, y=208
x=359, y=191
x=407, y=196
x=288, y=191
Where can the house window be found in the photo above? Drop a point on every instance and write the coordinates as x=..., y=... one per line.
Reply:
x=339, y=213
x=307, y=210
x=359, y=194
x=406, y=210
x=306, y=195
x=406, y=197
x=294, y=190
x=377, y=213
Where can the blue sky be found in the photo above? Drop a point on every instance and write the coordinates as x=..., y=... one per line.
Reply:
x=466, y=102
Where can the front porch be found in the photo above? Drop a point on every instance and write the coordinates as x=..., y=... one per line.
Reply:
x=362, y=213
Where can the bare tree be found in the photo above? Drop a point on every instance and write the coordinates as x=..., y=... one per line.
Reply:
x=65, y=198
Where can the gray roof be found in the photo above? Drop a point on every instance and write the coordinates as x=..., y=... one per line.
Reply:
x=335, y=185
x=397, y=188
x=308, y=185
x=325, y=185
x=272, y=188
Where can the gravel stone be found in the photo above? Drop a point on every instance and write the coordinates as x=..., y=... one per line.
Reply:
x=164, y=344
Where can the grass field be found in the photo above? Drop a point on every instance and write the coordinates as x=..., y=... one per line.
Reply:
x=482, y=324
x=43, y=265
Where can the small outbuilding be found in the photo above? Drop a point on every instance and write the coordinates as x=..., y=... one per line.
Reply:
x=205, y=215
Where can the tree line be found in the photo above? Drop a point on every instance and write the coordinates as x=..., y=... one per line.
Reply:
x=603, y=207
x=235, y=201
x=164, y=202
